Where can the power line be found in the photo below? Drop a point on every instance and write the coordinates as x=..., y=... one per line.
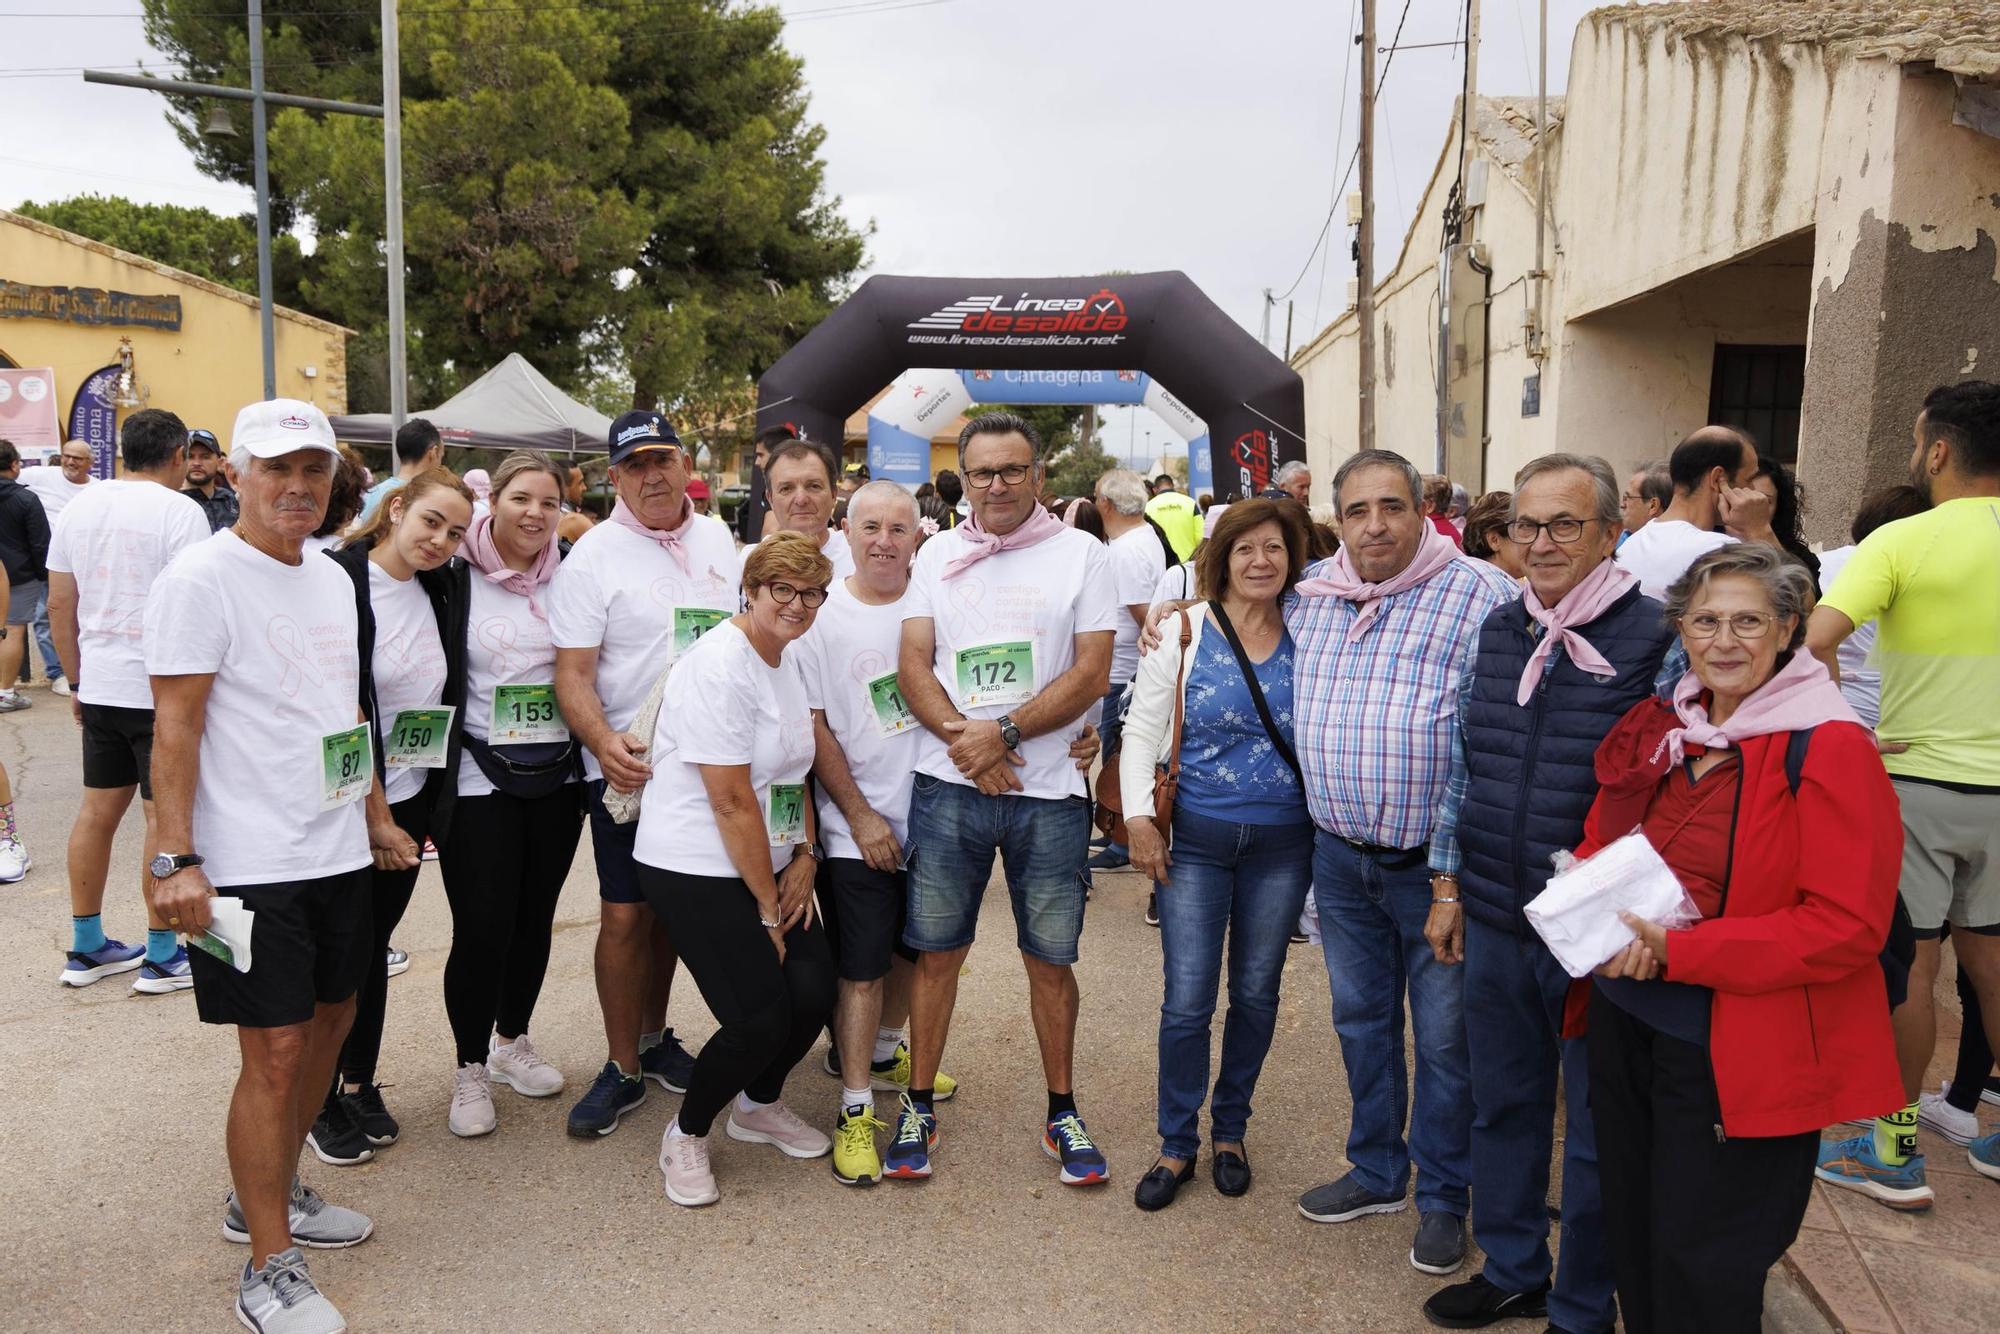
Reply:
x=582, y=6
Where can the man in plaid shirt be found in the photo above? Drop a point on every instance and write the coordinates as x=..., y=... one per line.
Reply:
x=1384, y=631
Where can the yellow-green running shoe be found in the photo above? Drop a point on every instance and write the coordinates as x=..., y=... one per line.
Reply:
x=893, y=1076
x=855, y=1159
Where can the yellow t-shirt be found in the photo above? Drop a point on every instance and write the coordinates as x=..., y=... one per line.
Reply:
x=1180, y=519
x=1932, y=582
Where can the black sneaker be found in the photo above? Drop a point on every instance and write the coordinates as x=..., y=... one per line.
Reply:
x=335, y=1139
x=1111, y=859
x=1341, y=1200
x=669, y=1065
x=1475, y=1304
x=1440, y=1244
x=1153, y=908
x=365, y=1107
x=612, y=1094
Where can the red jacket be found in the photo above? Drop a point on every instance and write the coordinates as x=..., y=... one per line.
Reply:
x=1799, y=1033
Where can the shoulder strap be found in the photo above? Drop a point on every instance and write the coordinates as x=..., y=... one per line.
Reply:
x=1278, y=741
x=1180, y=686
x=1795, y=758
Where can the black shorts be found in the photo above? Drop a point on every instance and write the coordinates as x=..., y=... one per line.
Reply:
x=611, y=844
x=864, y=910
x=310, y=943
x=118, y=748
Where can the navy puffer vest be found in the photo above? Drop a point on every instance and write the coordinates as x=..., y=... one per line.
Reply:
x=1530, y=773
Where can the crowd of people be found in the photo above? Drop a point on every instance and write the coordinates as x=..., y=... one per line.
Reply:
x=799, y=747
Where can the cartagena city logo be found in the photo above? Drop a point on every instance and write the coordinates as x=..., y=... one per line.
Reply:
x=1097, y=319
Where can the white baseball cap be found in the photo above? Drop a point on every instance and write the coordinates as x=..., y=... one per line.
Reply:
x=281, y=426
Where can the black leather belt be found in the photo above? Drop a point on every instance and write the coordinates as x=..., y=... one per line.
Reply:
x=1395, y=858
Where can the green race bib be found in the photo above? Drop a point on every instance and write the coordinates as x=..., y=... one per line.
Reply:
x=346, y=767
x=525, y=713
x=996, y=674
x=785, y=813
x=417, y=738
x=691, y=623
x=892, y=715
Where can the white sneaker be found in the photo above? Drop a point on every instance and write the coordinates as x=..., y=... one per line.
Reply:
x=60, y=685
x=281, y=1298
x=520, y=1067
x=779, y=1126
x=684, y=1168
x=1961, y=1128
x=398, y=962
x=471, y=1102
x=14, y=861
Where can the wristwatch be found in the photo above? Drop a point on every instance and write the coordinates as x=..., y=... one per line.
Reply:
x=1010, y=733
x=812, y=850
x=166, y=863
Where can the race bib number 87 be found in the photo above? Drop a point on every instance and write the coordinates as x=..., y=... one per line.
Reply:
x=347, y=768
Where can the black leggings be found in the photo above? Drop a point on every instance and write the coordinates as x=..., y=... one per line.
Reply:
x=504, y=864
x=770, y=1013
x=389, y=895
x=1975, y=1057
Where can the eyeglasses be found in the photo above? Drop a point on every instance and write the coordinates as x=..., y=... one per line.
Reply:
x=979, y=479
x=1743, y=624
x=1527, y=532
x=783, y=593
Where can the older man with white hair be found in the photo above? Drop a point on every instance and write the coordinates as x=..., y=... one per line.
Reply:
x=1138, y=559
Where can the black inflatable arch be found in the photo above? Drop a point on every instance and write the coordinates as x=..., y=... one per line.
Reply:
x=1157, y=323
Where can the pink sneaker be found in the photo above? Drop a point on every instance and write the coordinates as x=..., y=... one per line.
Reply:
x=778, y=1125
x=684, y=1169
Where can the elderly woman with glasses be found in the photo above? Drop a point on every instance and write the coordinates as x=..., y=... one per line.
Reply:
x=727, y=852
x=1717, y=1052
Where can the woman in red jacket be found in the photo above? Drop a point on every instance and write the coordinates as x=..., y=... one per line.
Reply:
x=1718, y=1052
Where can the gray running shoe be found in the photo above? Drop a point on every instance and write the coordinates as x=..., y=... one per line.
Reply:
x=281, y=1298
x=315, y=1223
x=11, y=700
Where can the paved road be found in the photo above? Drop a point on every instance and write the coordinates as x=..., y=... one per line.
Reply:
x=110, y=1201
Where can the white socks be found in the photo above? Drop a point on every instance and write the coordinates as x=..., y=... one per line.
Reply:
x=861, y=1097
x=674, y=1130
x=746, y=1104
x=886, y=1042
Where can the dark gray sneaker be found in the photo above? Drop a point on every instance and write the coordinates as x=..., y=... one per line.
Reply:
x=1475, y=1304
x=281, y=1298
x=1440, y=1244
x=1339, y=1201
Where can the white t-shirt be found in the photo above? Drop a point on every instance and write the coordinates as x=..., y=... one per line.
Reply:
x=280, y=641
x=1661, y=552
x=506, y=644
x=114, y=541
x=722, y=705
x=317, y=546
x=1860, y=673
x=52, y=488
x=408, y=666
x=1044, y=595
x=1176, y=585
x=620, y=592
x=844, y=659
x=1136, y=563
x=836, y=550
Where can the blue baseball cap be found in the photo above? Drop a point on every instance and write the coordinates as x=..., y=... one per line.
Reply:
x=638, y=431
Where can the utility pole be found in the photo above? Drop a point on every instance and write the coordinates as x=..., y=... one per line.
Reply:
x=1264, y=326
x=392, y=196
x=1538, y=335
x=1364, y=241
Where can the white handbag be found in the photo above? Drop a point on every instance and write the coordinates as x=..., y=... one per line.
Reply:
x=623, y=807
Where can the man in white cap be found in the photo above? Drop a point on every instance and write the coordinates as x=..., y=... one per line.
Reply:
x=261, y=768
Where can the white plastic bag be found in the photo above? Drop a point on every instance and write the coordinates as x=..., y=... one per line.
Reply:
x=1577, y=914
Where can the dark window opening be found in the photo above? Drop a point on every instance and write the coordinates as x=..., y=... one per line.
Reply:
x=1759, y=387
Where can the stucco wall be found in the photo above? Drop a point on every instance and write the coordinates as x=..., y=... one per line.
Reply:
x=204, y=371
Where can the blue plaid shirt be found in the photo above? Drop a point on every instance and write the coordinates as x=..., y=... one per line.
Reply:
x=1375, y=718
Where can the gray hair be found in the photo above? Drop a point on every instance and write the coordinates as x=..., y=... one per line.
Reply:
x=1288, y=471
x=1125, y=490
x=1461, y=499
x=1606, y=482
x=1381, y=458
x=1000, y=423
x=884, y=487
x=1656, y=483
x=1786, y=583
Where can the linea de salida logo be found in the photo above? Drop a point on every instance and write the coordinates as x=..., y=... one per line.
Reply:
x=1103, y=311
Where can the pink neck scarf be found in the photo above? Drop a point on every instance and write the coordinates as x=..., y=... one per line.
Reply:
x=1583, y=604
x=1434, y=553
x=1039, y=526
x=1800, y=695
x=670, y=538
x=484, y=556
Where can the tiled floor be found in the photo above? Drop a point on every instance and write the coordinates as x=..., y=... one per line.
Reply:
x=1878, y=1271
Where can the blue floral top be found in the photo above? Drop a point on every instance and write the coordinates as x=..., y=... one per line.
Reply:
x=1229, y=768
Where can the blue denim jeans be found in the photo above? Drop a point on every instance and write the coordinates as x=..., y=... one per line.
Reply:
x=45, y=637
x=954, y=831
x=1371, y=919
x=1514, y=993
x=1247, y=882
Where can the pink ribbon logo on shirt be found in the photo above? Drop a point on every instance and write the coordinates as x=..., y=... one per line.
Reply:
x=297, y=667
x=970, y=616
x=498, y=636
x=868, y=664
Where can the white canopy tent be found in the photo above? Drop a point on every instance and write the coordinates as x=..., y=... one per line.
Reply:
x=512, y=406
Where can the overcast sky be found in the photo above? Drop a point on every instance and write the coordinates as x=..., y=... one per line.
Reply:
x=1095, y=134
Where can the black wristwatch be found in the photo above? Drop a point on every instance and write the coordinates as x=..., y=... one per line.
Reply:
x=1010, y=733
x=166, y=863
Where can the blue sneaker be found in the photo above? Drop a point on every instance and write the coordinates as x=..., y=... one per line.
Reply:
x=909, y=1156
x=669, y=1064
x=113, y=956
x=158, y=979
x=1853, y=1163
x=612, y=1094
x=1984, y=1155
x=1069, y=1143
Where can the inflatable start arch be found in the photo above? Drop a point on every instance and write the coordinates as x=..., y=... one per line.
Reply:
x=947, y=343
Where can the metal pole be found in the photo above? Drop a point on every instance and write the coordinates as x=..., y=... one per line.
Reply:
x=392, y=176
x=184, y=88
x=263, y=172
x=1364, y=269
x=1538, y=339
